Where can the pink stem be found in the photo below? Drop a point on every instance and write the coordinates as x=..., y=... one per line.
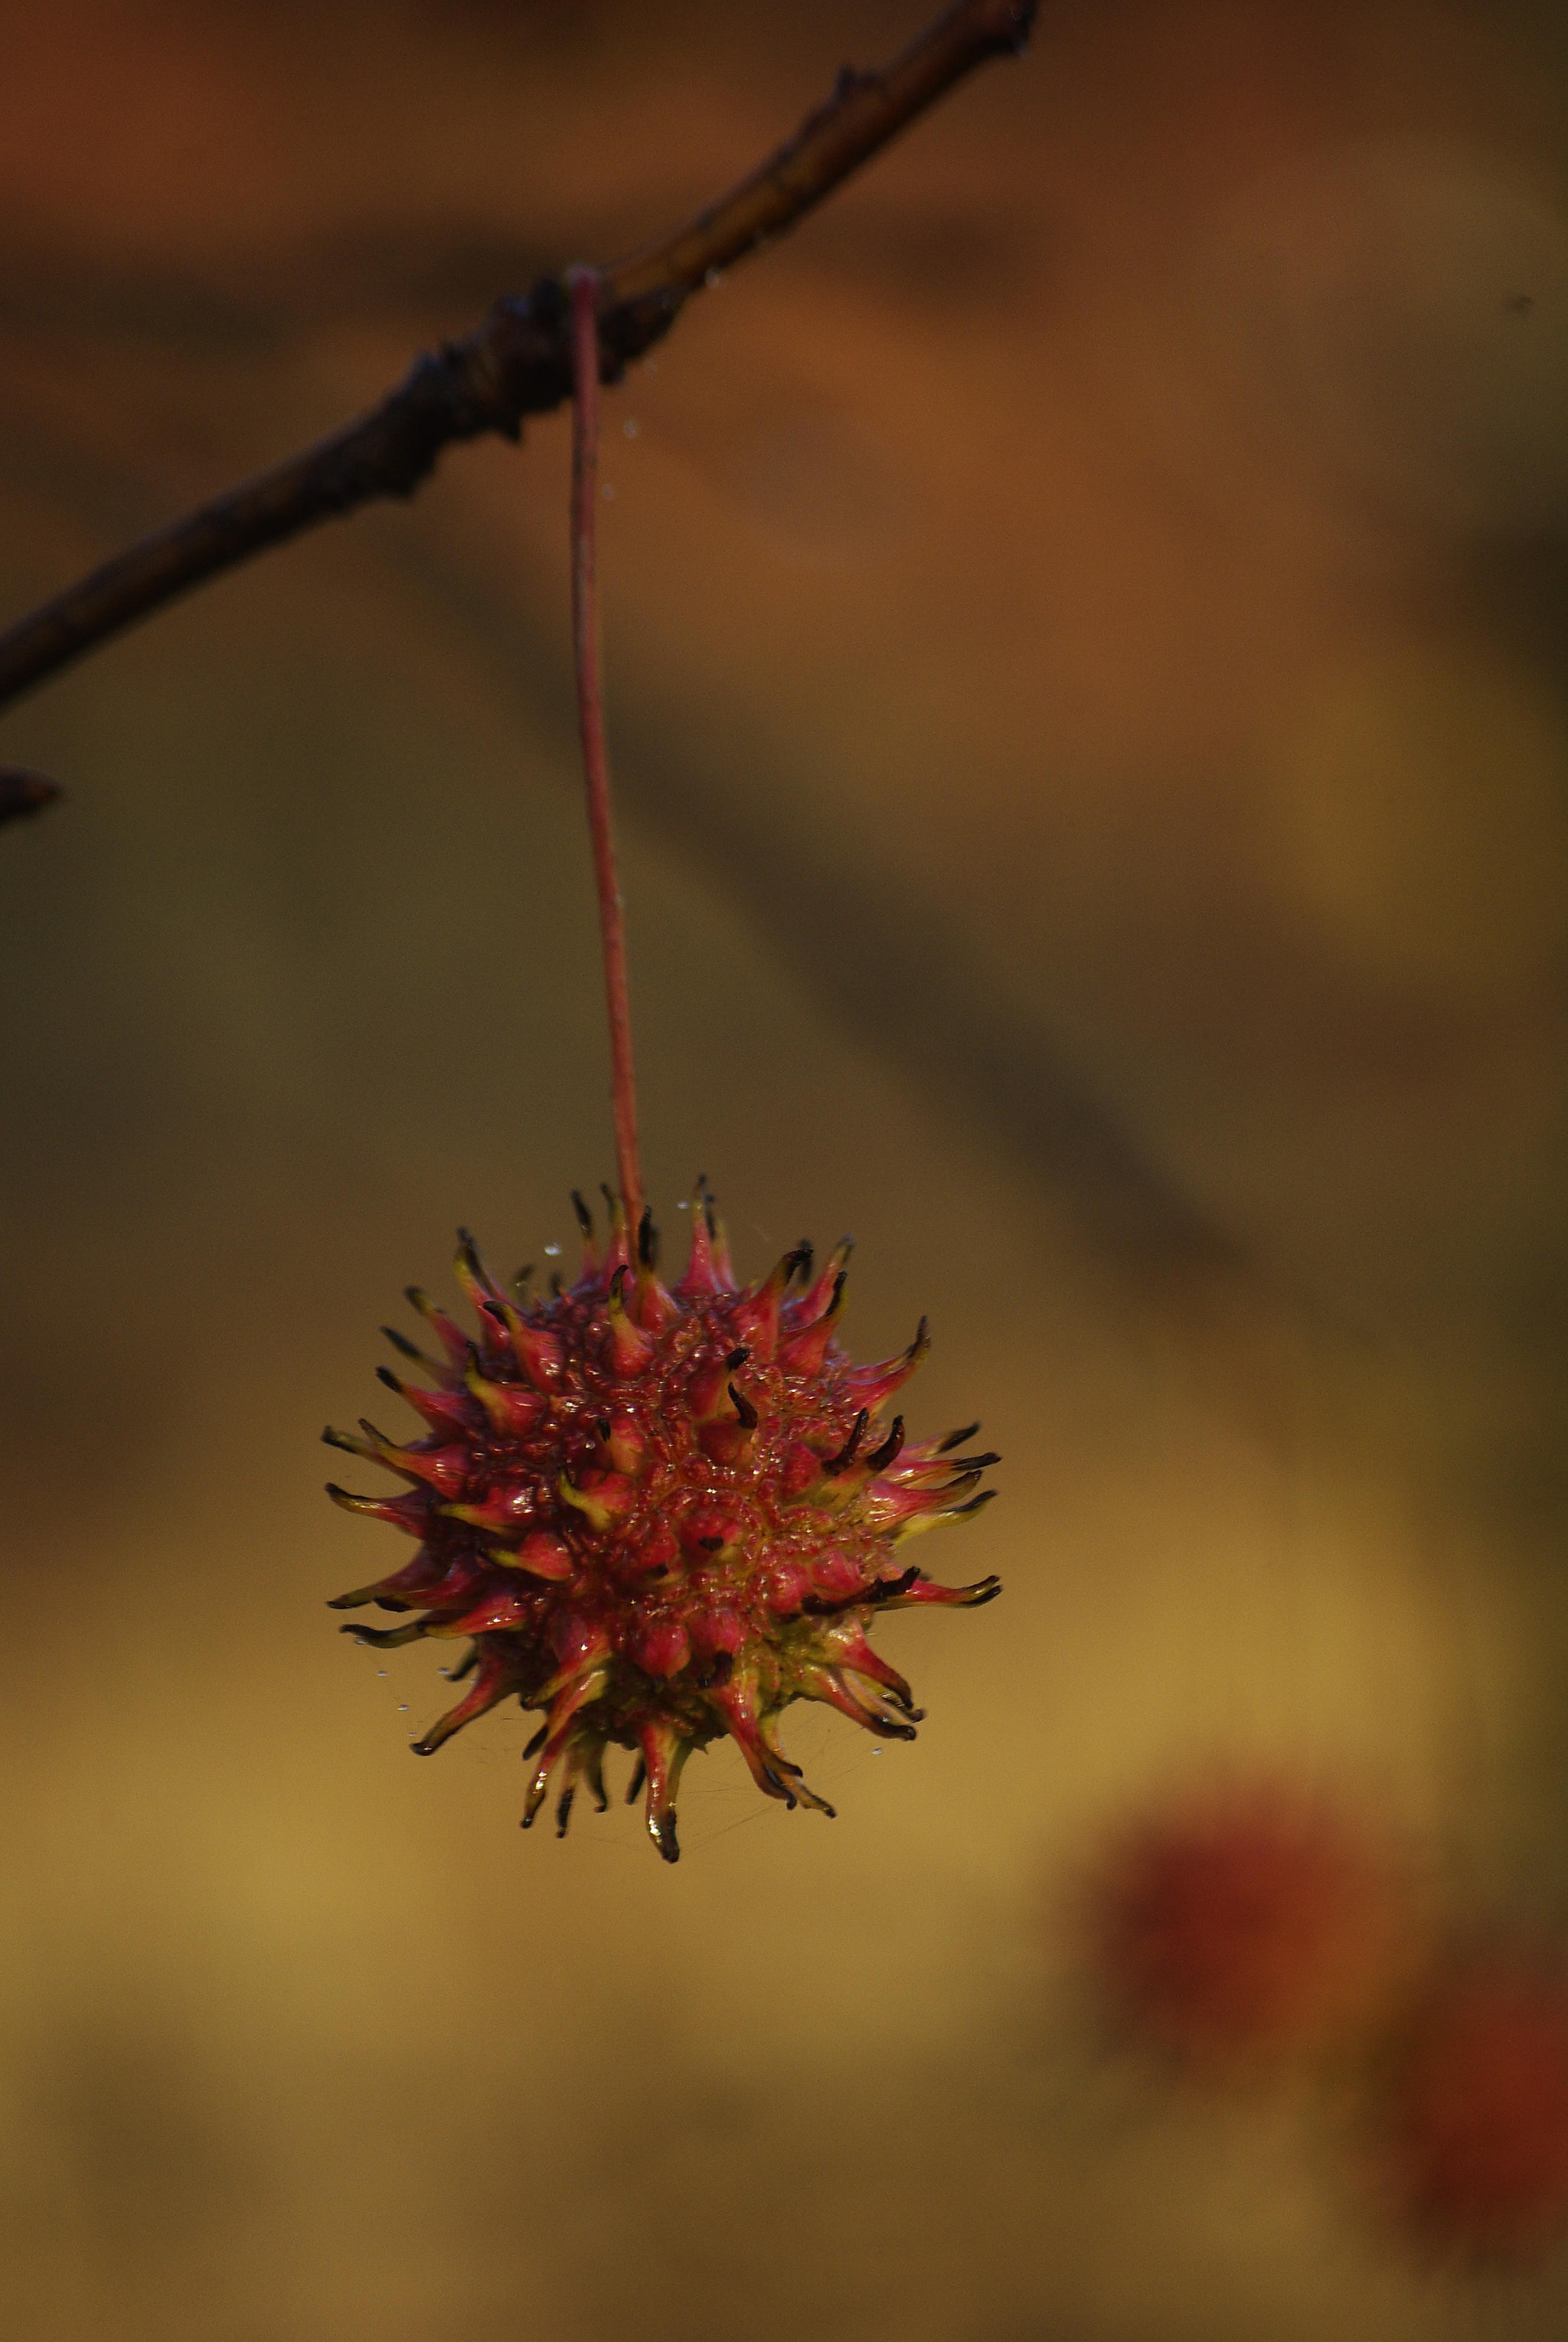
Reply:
x=583, y=286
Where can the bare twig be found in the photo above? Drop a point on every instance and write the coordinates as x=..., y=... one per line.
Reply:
x=583, y=288
x=22, y=792
x=518, y=362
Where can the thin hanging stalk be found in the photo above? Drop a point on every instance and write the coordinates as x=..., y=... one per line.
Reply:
x=583, y=288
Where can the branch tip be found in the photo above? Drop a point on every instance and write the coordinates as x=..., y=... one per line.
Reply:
x=518, y=361
x=23, y=792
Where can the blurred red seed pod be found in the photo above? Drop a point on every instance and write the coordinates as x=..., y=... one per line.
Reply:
x=1249, y=1923
x=1475, y=2115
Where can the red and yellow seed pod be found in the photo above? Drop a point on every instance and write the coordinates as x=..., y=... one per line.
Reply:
x=661, y=1517
x=1473, y=2119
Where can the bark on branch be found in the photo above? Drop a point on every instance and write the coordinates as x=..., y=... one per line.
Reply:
x=518, y=361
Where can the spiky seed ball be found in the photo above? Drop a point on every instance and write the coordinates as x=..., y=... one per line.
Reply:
x=1476, y=2112
x=1249, y=1922
x=660, y=1517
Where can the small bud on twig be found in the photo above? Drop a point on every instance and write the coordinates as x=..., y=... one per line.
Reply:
x=23, y=792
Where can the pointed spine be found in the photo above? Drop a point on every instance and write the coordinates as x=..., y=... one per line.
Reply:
x=405, y=1589
x=608, y=1500
x=923, y=1594
x=413, y=1353
x=539, y=1353
x=756, y=1314
x=485, y=1296
x=540, y=1555
x=584, y=1760
x=730, y=1439
x=442, y=1468
x=826, y=1684
x=881, y=1458
x=653, y=1306
x=626, y=1446
x=444, y=1411
x=841, y=1462
x=815, y=1299
x=565, y=1707
x=501, y=1610
x=700, y=1280
x=736, y=1704
x=508, y=1507
x=410, y=1514
x=452, y=1337
x=618, y=1251
x=630, y=1349
x=803, y=1353
x=513, y=1412
x=493, y=1682
x=662, y=1753
x=584, y=1218
x=719, y=1239
x=390, y=1638
x=901, y=1510
x=852, y=1654
x=872, y=1385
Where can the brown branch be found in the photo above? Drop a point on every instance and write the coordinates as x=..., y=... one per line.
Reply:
x=519, y=360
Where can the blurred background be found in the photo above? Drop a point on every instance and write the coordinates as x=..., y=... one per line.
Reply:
x=1087, y=624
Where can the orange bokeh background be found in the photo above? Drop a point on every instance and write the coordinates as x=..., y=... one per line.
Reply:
x=1085, y=622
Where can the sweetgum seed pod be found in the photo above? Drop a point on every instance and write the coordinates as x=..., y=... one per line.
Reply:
x=1476, y=2110
x=1250, y=1922
x=661, y=1517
